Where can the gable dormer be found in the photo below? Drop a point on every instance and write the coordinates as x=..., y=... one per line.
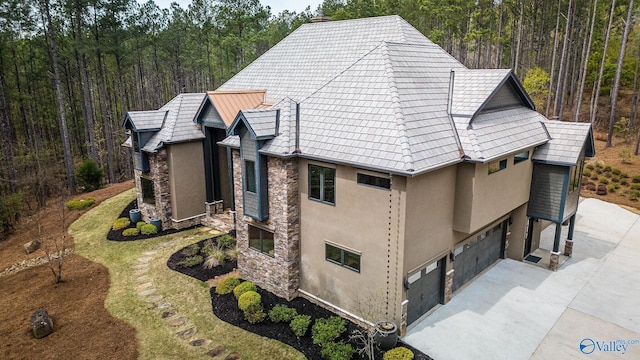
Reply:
x=255, y=127
x=142, y=125
x=508, y=94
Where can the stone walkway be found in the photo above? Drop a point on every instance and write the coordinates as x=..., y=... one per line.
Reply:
x=184, y=329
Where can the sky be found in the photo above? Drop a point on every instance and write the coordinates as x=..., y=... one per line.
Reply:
x=277, y=6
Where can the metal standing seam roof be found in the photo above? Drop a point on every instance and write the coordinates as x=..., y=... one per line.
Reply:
x=315, y=53
x=179, y=125
x=567, y=141
x=229, y=103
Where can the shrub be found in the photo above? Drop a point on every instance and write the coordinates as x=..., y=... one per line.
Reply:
x=598, y=171
x=635, y=186
x=121, y=223
x=130, y=232
x=615, y=179
x=586, y=173
x=611, y=188
x=594, y=177
x=227, y=285
x=624, y=182
x=604, y=181
x=89, y=175
x=226, y=241
x=635, y=179
x=215, y=256
x=191, y=261
x=299, y=324
x=208, y=247
x=191, y=250
x=337, y=351
x=599, y=165
x=282, y=313
x=140, y=224
x=80, y=204
x=248, y=299
x=148, y=229
x=243, y=288
x=608, y=168
x=625, y=155
x=607, y=175
x=616, y=171
x=634, y=195
x=327, y=330
x=398, y=353
x=231, y=254
x=624, y=175
x=590, y=166
x=255, y=314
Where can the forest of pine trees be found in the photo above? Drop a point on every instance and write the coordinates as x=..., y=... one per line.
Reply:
x=71, y=69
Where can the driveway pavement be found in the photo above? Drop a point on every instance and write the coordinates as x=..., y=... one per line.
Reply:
x=519, y=311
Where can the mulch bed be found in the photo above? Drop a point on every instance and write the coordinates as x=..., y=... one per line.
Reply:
x=225, y=307
x=116, y=235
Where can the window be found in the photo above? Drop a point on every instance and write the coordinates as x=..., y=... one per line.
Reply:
x=250, y=175
x=496, y=166
x=574, y=176
x=375, y=181
x=261, y=240
x=148, y=193
x=523, y=156
x=342, y=257
x=322, y=184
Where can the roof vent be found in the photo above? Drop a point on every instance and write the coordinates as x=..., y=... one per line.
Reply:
x=320, y=17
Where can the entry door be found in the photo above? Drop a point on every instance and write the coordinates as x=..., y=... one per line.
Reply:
x=425, y=290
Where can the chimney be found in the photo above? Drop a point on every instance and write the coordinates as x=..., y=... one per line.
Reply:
x=320, y=17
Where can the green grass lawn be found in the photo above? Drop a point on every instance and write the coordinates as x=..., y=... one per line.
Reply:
x=190, y=297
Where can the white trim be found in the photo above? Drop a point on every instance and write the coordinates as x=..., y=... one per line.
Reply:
x=358, y=318
x=189, y=218
x=450, y=272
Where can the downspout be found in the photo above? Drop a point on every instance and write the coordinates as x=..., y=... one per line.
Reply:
x=297, y=149
x=452, y=76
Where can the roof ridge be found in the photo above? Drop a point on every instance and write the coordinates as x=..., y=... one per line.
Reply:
x=407, y=156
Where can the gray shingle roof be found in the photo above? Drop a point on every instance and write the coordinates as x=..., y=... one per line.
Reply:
x=315, y=53
x=498, y=133
x=147, y=120
x=262, y=122
x=179, y=125
x=472, y=88
x=565, y=146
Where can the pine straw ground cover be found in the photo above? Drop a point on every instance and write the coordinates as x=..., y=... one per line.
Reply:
x=225, y=307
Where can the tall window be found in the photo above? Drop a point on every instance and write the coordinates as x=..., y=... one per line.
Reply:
x=496, y=166
x=148, y=194
x=322, y=184
x=574, y=176
x=342, y=257
x=250, y=175
x=261, y=240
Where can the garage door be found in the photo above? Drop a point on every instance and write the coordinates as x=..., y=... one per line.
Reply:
x=425, y=290
x=477, y=254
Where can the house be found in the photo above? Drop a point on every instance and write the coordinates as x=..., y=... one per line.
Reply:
x=379, y=175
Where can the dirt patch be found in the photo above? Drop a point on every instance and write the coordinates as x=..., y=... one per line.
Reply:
x=12, y=250
x=83, y=327
x=612, y=157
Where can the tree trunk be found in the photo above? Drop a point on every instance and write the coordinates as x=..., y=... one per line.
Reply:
x=585, y=63
x=517, y=55
x=553, y=60
x=7, y=141
x=86, y=92
x=594, y=105
x=562, y=70
x=616, y=81
x=62, y=118
x=636, y=93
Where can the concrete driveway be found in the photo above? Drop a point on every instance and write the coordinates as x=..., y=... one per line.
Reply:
x=519, y=311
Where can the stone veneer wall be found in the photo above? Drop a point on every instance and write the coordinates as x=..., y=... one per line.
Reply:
x=159, y=174
x=279, y=274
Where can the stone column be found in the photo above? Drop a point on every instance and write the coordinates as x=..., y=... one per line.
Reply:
x=448, y=286
x=403, y=323
x=554, y=260
x=568, y=247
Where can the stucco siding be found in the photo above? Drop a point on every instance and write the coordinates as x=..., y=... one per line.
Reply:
x=482, y=197
x=429, y=217
x=547, y=185
x=188, y=192
x=364, y=220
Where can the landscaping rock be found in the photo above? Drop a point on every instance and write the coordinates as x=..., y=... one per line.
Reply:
x=162, y=305
x=177, y=322
x=154, y=298
x=41, y=323
x=185, y=334
x=233, y=356
x=31, y=246
x=168, y=313
x=200, y=342
x=216, y=351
